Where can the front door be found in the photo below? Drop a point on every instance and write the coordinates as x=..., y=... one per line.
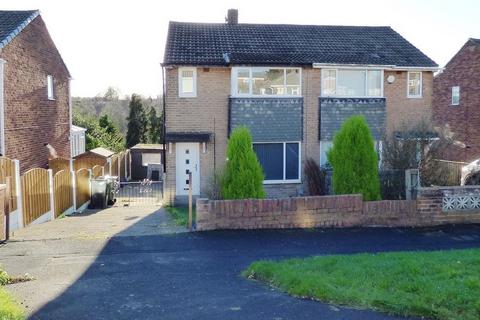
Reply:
x=188, y=160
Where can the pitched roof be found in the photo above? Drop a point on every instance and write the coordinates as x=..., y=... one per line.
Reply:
x=282, y=44
x=13, y=22
x=102, y=152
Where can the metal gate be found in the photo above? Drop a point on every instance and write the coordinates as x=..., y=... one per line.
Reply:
x=139, y=193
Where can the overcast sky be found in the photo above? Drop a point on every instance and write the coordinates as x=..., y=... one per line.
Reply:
x=120, y=43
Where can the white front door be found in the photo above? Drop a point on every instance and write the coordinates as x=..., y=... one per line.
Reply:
x=188, y=160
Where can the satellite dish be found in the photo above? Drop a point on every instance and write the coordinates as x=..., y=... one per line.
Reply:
x=391, y=78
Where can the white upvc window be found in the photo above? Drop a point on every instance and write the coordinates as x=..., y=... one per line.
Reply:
x=187, y=82
x=266, y=81
x=414, y=87
x=50, y=88
x=455, y=96
x=280, y=161
x=357, y=82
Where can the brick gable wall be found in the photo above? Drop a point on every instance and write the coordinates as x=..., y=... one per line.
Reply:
x=462, y=120
x=30, y=118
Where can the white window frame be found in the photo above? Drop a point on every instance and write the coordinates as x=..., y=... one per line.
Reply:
x=284, y=181
x=458, y=102
x=234, y=85
x=50, y=87
x=366, y=69
x=415, y=96
x=182, y=94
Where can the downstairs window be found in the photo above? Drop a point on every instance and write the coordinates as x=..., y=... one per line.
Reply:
x=280, y=161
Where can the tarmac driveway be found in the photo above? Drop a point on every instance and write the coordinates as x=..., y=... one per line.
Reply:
x=193, y=275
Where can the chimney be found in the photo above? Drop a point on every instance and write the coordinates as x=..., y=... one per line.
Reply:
x=232, y=16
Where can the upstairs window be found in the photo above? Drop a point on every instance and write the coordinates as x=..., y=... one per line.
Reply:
x=50, y=88
x=187, y=82
x=455, y=96
x=414, y=85
x=259, y=81
x=352, y=83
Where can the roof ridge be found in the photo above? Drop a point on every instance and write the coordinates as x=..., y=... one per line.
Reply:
x=276, y=24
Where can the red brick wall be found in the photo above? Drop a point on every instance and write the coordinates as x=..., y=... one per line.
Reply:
x=463, y=120
x=30, y=118
x=335, y=211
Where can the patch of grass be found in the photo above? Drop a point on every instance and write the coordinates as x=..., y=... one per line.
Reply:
x=9, y=309
x=436, y=285
x=180, y=215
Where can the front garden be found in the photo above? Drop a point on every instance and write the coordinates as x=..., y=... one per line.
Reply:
x=436, y=285
x=9, y=309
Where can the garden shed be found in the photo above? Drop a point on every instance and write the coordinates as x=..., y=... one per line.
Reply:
x=147, y=161
x=98, y=156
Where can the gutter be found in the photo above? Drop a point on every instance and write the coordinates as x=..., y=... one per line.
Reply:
x=373, y=66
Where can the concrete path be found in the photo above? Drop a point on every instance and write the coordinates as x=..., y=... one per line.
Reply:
x=190, y=275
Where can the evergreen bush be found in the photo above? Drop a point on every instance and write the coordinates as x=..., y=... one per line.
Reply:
x=243, y=175
x=354, y=160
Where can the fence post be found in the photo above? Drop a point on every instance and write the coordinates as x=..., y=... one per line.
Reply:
x=119, y=162
x=74, y=189
x=18, y=191
x=50, y=190
x=125, y=166
x=129, y=166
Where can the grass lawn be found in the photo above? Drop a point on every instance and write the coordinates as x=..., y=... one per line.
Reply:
x=9, y=309
x=436, y=285
x=180, y=215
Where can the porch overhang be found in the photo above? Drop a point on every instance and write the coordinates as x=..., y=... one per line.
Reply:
x=188, y=137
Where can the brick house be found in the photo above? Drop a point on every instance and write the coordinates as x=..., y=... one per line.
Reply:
x=456, y=102
x=35, y=91
x=291, y=85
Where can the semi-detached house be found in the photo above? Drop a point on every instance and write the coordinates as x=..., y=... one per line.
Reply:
x=291, y=85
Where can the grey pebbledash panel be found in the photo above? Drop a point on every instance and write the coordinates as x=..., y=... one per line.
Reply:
x=269, y=119
x=334, y=111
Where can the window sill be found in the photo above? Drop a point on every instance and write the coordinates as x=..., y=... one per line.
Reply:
x=51, y=99
x=266, y=96
x=187, y=96
x=414, y=97
x=297, y=181
x=353, y=97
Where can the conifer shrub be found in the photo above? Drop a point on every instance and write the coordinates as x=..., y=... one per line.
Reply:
x=354, y=160
x=243, y=175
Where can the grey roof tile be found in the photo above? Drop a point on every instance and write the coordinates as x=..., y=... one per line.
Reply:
x=282, y=44
x=13, y=22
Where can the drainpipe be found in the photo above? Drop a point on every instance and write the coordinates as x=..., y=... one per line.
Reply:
x=164, y=116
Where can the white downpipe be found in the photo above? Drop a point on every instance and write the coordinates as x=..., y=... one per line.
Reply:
x=50, y=189
x=18, y=190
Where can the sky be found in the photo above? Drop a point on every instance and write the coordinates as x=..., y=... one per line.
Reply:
x=120, y=43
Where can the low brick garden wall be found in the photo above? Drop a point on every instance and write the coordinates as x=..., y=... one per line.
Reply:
x=342, y=211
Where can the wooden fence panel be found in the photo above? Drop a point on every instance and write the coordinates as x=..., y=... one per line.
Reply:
x=62, y=191
x=114, y=165
x=97, y=171
x=127, y=162
x=83, y=186
x=88, y=162
x=59, y=164
x=452, y=171
x=7, y=169
x=122, y=157
x=35, y=194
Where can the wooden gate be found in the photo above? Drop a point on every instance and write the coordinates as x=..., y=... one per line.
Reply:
x=7, y=169
x=35, y=194
x=83, y=186
x=63, y=191
x=97, y=171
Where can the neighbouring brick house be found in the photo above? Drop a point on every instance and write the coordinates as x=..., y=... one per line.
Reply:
x=291, y=85
x=456, y=102
x=35, y=91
